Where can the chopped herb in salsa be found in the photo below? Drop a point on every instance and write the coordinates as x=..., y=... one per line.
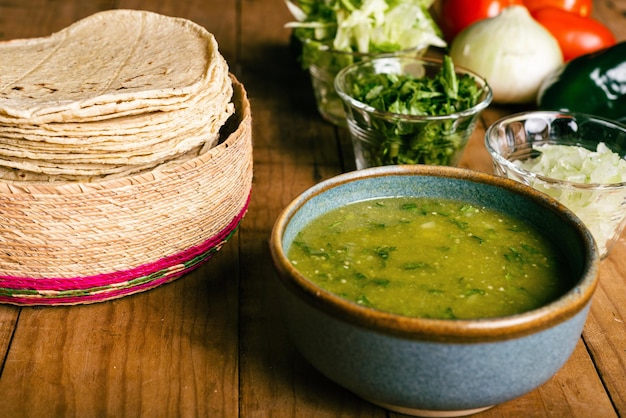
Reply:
x=432, y=258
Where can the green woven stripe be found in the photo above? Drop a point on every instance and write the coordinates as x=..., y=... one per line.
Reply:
x=122, y=285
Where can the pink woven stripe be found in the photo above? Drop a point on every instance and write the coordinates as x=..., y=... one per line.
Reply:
x=93, y=297
x=89, y=282
x=72, y=300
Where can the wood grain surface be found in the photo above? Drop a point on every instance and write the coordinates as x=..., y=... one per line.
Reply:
x=212, y=344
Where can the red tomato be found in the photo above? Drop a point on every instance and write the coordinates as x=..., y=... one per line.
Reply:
x=580, y=7
x=575, y=34
x=456, y=15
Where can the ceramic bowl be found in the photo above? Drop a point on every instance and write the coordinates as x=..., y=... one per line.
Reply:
x=601, y=205
x=434, y=367
x=388, y=138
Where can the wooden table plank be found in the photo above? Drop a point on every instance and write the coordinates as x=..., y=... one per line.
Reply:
x=213, y=343
x=160, y=353
x=26, y=19
x=293, y=150
x=605, y=330
x=8, y=322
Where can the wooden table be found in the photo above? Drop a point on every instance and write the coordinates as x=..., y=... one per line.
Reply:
x=212, y=343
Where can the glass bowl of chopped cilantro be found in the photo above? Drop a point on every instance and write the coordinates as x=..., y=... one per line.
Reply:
x=403, y=110
x=578, y=159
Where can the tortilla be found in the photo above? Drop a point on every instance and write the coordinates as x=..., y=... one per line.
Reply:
x=105, y=63
x=120, y=91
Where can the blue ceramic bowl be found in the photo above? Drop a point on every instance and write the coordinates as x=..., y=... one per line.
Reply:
x=434, y=367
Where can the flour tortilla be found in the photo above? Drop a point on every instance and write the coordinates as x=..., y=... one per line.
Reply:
x=12, y=154
x=147, y=140
x=117, y=93
x=144, y=61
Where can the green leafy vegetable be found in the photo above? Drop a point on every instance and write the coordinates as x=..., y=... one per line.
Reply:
x=383, y=252
x=408, y=141
x=362, y=26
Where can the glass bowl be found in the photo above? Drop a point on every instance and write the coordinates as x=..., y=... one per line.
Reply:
x=600, y=205
x=383, y=138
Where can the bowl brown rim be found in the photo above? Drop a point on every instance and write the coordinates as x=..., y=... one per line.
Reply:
x=439, y=330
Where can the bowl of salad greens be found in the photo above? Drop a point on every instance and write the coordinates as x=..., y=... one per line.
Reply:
x=578, y=159
x=402, y=110
x=332, y=34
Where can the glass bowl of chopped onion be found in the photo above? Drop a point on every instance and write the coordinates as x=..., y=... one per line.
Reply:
x=402, y=110
x=578, y=159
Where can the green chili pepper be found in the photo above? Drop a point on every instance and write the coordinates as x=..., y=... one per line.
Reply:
x=593, y=83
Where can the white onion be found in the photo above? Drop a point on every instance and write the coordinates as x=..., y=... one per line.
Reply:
x=512, y=51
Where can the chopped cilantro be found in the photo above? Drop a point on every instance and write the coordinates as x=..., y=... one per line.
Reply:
x=410, y=142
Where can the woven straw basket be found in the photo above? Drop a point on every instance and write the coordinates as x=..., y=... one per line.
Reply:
x=71, y=243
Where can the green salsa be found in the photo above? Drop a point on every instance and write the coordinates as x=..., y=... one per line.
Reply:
x=430, y=258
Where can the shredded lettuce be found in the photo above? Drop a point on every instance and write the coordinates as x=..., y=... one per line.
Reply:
x=600, y=200
x=364, y=26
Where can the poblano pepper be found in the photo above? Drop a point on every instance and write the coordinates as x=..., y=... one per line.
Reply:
x=594, y=83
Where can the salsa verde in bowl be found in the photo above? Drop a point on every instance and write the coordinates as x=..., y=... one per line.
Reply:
x=426, y=364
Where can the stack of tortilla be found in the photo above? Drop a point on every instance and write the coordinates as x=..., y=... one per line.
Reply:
x=114, y=94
